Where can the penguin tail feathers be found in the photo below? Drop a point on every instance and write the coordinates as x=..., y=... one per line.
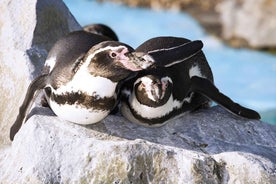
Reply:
x=208, y=89
x=37, y=84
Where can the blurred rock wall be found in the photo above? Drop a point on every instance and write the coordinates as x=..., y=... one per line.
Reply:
x=240, y=23
x=249, y=22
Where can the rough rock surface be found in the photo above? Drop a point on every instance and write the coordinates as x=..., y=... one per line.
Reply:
x=28, y=29
x=207, y=146
x=252, y=21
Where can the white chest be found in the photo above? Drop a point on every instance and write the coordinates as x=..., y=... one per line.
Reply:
x=85, y=84
x=154, y=112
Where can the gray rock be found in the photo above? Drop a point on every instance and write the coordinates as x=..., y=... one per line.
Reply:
x=250, y=20
x=207, y=146
x=28, y=29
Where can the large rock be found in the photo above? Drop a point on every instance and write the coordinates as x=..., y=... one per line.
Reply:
x=28, y=29
x=207, y=146
x=250, y=20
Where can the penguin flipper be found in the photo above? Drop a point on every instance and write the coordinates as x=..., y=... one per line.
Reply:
x=207, y=88
x=170, y=56
x=36, y=85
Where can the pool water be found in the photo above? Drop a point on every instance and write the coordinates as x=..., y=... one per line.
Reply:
x=246, y=76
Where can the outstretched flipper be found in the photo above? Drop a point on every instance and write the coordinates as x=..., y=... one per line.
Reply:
x=177, y=54
x=207, y=88
x=36, y=85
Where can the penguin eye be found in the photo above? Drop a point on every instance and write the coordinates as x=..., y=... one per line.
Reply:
x=113, y=54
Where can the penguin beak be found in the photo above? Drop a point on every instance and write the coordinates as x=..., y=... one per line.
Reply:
x=134, y=61
x=157, y=92
x=141, y=60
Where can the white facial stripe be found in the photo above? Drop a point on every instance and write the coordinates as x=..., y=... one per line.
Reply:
x=100, y=50
x=78, y=114
x=146, y=80
x=151, y=112
x=179, y=61
x=51, y=62
x=166, y=49
x=195, y=71
x=165, y=79
x=171, y=48
x=92, y=85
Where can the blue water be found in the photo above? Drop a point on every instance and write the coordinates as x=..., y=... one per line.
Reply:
x=248, y=77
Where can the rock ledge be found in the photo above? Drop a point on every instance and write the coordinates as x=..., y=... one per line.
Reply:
x=209, y=146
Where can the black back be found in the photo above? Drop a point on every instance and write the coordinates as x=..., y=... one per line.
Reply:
x=68, y=52
x=161, y=43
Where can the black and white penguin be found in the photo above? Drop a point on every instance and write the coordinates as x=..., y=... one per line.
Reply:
x=101, y=29
x=80, y=78
x=156, y=96
x=83, y=74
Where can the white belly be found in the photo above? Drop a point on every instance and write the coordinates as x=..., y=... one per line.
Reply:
x=90, y=85
x=154, y=112
x=77, y=114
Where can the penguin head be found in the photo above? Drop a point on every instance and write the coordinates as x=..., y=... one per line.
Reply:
x=113, y=60
x=153, y=90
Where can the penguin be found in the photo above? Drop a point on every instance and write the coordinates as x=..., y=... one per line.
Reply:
x=79, y=78
x=82, y=76
x=157, y=96
x=101, y=29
